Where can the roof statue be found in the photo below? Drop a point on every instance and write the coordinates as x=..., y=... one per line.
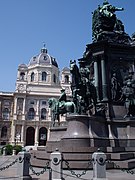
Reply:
x=106, y=25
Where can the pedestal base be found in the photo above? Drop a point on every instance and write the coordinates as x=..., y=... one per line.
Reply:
x=77, y=133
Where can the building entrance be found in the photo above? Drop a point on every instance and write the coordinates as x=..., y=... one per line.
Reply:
x=30, y=136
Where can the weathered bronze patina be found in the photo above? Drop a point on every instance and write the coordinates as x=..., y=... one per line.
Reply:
x=106, y=26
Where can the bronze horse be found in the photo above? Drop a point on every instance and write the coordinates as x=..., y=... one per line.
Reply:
x=60, y=108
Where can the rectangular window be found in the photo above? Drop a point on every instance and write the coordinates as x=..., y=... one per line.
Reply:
x=31, y=102
x=43, y=102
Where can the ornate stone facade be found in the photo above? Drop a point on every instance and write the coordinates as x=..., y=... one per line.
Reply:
x=25, y=117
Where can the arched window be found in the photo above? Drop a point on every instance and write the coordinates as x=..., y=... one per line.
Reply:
x=42, y=136
x=44, y=76
x=32, y=76
x=54, y=78
x=31, y=113
x=4, y=132
x=6, y=113
x=43, y=113
x=22, y=74
x=66, y=79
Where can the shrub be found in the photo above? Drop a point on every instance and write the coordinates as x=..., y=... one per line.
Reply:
x=18, y=148
x=9, y=149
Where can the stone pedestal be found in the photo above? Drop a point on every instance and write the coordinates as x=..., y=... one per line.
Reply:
x=56, y=133
x=85, y=131
x=98, y=131
x=123, y=131
x=77, y=133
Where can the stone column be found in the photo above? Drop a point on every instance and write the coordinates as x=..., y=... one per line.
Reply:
x=96, y=77
x=22, y=134
x=48, y=134
x=104, y=83
x=15, y=105
x=36, y=136
x=56, y=165
x=15, y=109
x=37, y=111
x=99, y=166
x=23, y=112
x=24, y=100
x=13, y=133
x=12, y=106
x=49, y=114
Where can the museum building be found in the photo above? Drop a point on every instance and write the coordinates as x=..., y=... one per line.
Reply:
x=25, y=116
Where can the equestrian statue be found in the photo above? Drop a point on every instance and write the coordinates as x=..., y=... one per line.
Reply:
x=60, y=106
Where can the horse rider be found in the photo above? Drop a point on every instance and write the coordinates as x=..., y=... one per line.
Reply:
x=62, y=99
x=63, y=96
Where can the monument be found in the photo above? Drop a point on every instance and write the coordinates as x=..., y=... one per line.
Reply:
x=102, y=111
x=103, y=86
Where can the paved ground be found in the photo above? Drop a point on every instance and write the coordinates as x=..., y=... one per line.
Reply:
x=11, y=172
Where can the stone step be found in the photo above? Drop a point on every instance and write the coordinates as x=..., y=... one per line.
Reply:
x=79, y=159
x=80, y=156
x=39, y=162
x=72, y=149
x=126, y=164
x=40, y=154
x=122, y=156
x=41, y=148
x=130, y=149
x=115, y=149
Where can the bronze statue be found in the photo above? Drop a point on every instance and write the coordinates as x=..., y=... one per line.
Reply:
x=129, y=94
x=114, y=84
x=106, y=26
x=59, y=108
x=108, y=10
x=116, y=90
x=83, y=91
x=63, y=96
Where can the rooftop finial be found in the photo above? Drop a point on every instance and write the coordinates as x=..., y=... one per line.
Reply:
x=44, y=45
x=44, y=50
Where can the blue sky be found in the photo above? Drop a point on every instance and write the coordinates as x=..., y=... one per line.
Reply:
x=64, y=26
